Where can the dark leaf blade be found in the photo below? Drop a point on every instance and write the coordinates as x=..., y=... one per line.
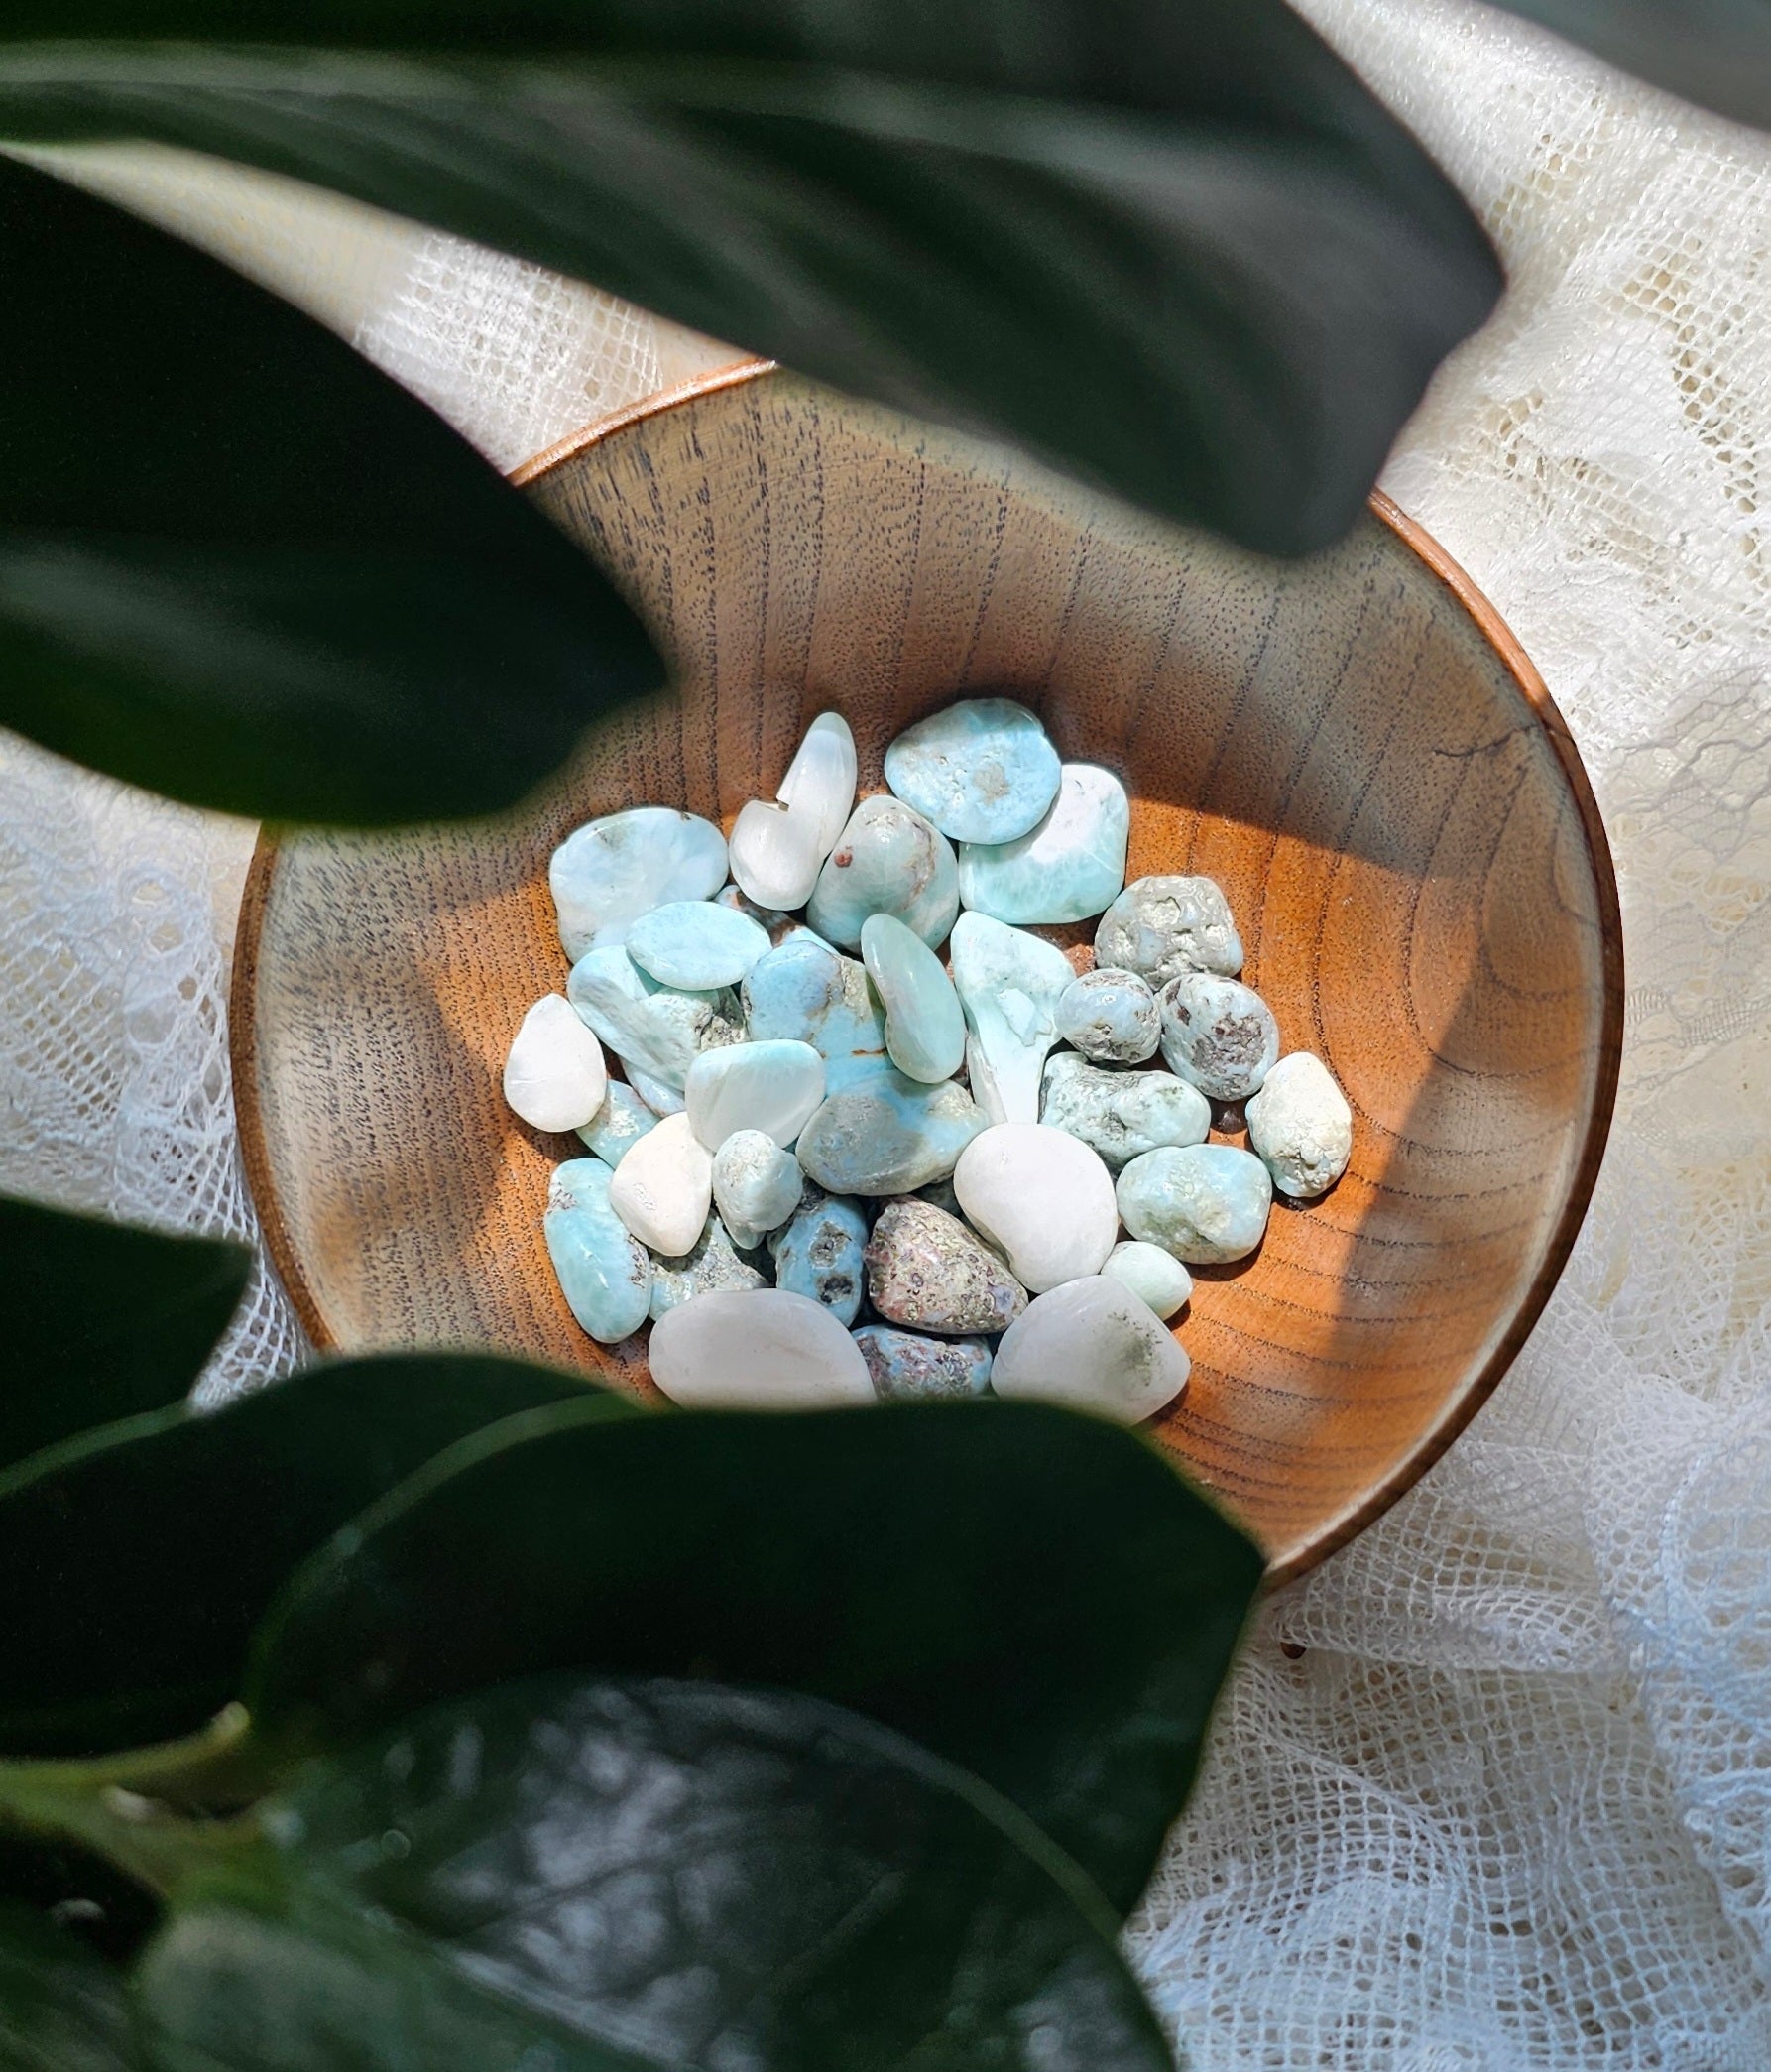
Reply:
x=1179, y=251
x=1035, y=1596
x=241, y=567
x=102, y=1320
x=61, y=2007
x=144, y=1553
x=668, y=1875
x=1716, y=53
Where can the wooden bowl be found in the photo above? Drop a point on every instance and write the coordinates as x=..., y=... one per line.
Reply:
x=1355, y=747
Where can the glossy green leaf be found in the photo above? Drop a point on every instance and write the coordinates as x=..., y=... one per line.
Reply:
x=1173, y=246
x=241, y=567
x=1033, y=1595
x=140, y=1556
x=1716, y=53
x=61, y=2007
x=613, y=1876
x=101, y=1320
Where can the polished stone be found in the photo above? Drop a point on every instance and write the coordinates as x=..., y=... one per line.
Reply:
x=1068, y=868
x=555, y=1077
x=925, y=1269
x=1092, y=1345
x=1009, y=984
x=819, y=1251
x=604, y=1272
x=756, y=1187
x=657, y=1028
x=908, y=1367
x=663, y=1187
x=925, y=1030
x=1300, y=1126
x=610, y=872
x=618, y=1125
x=1155, y=1277
x=884, y=1134
x=1043, y=1199
x=657, y=1094
x=1111, y=1016
x=981, y=771
x=778, y=848
x=758, y=1349
x=1122, y=1115
x=887, y=860
x=1162, y=927
x=1207, y=1203
x=709, y=1265
x=696, y=945
x=1217, y=1034
x=805, y=991
x=771, y=1086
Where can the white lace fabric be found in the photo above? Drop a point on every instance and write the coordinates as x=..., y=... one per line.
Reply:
x=1490, y=1791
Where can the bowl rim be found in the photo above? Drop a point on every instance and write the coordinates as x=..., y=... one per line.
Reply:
x=1457, y=1414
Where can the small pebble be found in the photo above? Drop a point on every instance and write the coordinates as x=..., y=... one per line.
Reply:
x=696, y=945
x=778, y=849
x=611, y=870
x=661, y=1098
x=773, y=1086
x=908, y=1367
x=1162, y=927
x=925, y=1269
x=1043, y=1197
x=1122, y=1115
x=1068, y=868
x=555, y=1077
x=1111, y=1016
x=757, y=1349
x=1300, y=1126
x=981, y=771
x=663, y=1187
x=618, y=1125
x=1207, y=1203
x=808, y=993
x=925, y=1031
x=1009, y=984
x=1092, y=1345
x=1218, y=1035
x=887, y=860
x=756, y=1187
x=603, y=1272
x=884, y=1134
x=819, y=1252
x=1153, y=1275
x=709, y=1265
x=657, y=1028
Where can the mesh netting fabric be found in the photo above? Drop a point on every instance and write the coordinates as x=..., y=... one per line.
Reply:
x=1490, y=1791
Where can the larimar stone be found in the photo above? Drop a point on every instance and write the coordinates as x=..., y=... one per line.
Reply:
x=884, y=1134
x=1217, y=1034
x=887, y=860
x=775, y=922
x=617, y=1124
x=1155, y=1277
x=805, y=991
x=925, y=1031
x=818, y=1251
x=695, y=945
x=609, y=873
x=1300, y=1126
x=756, y=1187
x=1122, y=1115
x=908, y=1367
x=711, y=1264
x=663, y=1100
x=778, y=849
x=981, y=771
x=1092, y=1345
x=1162, y=927
x=604, y=1273
x=1111, y=1016
x=773, y=1086
x=1068, y=868
x=1009, y=984
x=653, y=1027
x=1207, y=1203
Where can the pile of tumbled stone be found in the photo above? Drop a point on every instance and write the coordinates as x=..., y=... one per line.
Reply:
x=803, y=1133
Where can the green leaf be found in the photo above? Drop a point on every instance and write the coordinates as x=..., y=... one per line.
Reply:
x=140, y=1556
x=1033, y=1595
x=101, y=1320
x=61, y=2007
x=239, y=565
x=1176, y=248
x=1716, y=53
x=613, y=1876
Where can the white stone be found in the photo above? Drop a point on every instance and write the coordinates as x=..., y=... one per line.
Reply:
x=555, y=1076
x=1009, y=984
x=1300, y=1126
x=1092, y=1345
x=664, y=1189
x=757, y=1349
x=756, y=1187
x=1155, y=1277
x=1043, y=1198
x=771, y=1086
x=778, y=848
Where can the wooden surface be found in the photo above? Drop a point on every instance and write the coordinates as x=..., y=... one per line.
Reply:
x=1352, y=746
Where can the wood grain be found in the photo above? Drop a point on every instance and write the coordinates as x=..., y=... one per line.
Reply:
x=1354, y=746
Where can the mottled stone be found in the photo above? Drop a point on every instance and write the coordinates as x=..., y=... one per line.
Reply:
x=1009, y=984
x=657, y=1028
x=981, y=771
x=1092, y=1345
x=1068, y=868
x=696, y=945
x=708, y=1266
x=1155, y=1277
x=819, y=1251
x=604, y=1273
x=778, y=849
x=618, y=1125
x=887, y=860
x=883, y=1134
x=908, y=1367
x=1111, y=1016
x=805, y=991
x=925, y=1269
x=1207, y=1203
x=925, y=1031
x=1043, y=1197
x=1217, y=1034
x=1300, y=1126
x=663, y=1187
x=774, y=1087
x=609, y=873
x=554, y=1077
x=1163, y=927
x=1122, y=1115
x=657, y=1094
x=757, y=1349
x=756, y=1187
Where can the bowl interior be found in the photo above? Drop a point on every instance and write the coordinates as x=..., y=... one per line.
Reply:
x=1352, y=746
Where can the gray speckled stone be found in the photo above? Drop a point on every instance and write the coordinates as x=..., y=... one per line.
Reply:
x=1122, y=1115
x=1111, y=1016
x=1217, y=1034
x=819, y=1252
x=1162, y=927
x=1092, y=1345
x=711, y=1264
x=925, y=1269
x=908, y=1367
x=883, y=1134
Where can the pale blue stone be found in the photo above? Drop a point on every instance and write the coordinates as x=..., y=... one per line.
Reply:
x=663, y=1100
x=1068, y=868
x=757, y=1185
x=1009, y=984
x=925, y=1030
x=773, y=1086
x=618, y=1125
x=657, y=1028
x=884, y=1134
x=1207, y=1203
x=1153, y=1275
x=1217, y=1034
x=604, y=1273
x=886, y=860
x=1162, y=927
x=908, y=1367
x=1122, y=1115
x=696, y=945
x=609, y=873
x=818, y=1251
x=805, y=991
x=983, y=771
x=711, y=1264
x=1112, y=1017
